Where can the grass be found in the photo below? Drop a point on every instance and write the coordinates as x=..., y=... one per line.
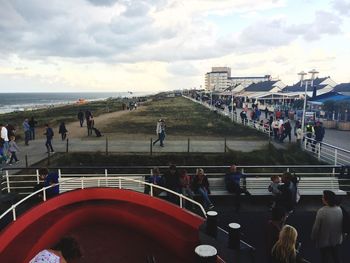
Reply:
x=182, y=118
x=56, y=115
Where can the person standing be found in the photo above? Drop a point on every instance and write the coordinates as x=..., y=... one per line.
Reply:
x=26, y=129
x=63, y=131
x=273, y=229
x=160, y=130
x=13, y=148
x=81, y=117
x=49, y=136
x=309, y=133
x=90, y=124
x=319, y=134
x=327, y=228
x=284, y=251
x=32, y=125
x=266, y=112
x=5, y=138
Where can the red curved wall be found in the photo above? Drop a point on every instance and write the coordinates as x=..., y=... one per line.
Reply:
x=174, y=227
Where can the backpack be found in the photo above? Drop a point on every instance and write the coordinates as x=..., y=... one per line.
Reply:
x=346, y=221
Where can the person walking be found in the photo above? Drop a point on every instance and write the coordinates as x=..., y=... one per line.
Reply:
x=81, y=117
x=13, y=148
x=49, y=136
x=26, y=128
x=327, y=228
x=32, y=125
x=63, y=131
x=160, y=130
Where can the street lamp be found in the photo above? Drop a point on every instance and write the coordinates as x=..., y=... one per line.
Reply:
x=302, y=74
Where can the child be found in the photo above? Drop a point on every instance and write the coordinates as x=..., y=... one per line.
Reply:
x=13, y=148
x=273, y=188
x=185, y=184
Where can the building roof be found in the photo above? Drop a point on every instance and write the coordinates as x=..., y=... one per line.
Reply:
x=335, y=96
x=263, y=77
x=297, y=88
x=261, y=86
x=342, y=87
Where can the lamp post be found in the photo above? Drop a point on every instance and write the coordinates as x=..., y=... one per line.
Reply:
x=232, y=103
x=304, y=109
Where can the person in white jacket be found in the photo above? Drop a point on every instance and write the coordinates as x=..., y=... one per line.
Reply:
x=5, y=138
x=160, y=130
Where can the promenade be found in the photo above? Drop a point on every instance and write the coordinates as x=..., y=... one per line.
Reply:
x=36, y=150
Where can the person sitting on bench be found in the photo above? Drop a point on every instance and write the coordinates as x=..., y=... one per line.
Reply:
x=232, y=182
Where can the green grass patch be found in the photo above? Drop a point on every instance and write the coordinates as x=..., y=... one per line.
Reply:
x=56, y=115
x=183, y=118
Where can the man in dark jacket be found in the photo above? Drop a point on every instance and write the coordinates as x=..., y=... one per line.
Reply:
x=81, y=118
x=49, y=135
x=319, y=134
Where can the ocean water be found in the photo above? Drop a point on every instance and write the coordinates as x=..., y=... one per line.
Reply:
x=10, y=102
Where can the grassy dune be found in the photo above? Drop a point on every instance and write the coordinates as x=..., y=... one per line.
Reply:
x=182, y=117
x=56, y=115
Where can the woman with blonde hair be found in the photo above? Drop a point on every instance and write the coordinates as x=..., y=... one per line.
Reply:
x=200, y=185
x=284, y=251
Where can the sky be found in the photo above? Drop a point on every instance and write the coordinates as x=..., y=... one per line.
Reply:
x=156, y=45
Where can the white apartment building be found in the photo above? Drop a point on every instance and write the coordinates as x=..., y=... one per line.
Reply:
x=246, y=81
x=217, y=79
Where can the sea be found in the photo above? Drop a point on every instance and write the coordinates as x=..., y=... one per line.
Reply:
x=10, y=102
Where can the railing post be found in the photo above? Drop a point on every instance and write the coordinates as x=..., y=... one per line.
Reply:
x=106, y=175
x=319, y=151
x=181, y=200
x=151, y=190
x=106, y=145
x=82, y=182
x=8, y=181
x=67, y=145
x=151, y=146
x=120, y=183
x=37, y=176
x=14, y=213
x=26, y=159
x=225, y=145
x=44, y=194
x=188, y=145
x=48, y=158
x=335, y=156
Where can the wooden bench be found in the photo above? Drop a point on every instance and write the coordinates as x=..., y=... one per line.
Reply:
x=259, y=185
x=101, y=182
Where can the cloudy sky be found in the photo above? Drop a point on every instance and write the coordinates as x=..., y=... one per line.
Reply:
x=152, y=45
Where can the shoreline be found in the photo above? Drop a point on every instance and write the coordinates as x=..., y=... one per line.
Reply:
x=31, y=107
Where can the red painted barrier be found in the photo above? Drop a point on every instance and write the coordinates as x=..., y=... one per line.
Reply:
x=45, y=224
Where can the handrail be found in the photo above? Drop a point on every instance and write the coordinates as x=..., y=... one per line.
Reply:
x=178, y=166
x=82, y=179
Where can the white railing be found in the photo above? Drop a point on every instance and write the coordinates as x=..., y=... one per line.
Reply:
x=234, y=117
x=83, y=182
x=324, y=152
x=23, y=183
x=327, y=152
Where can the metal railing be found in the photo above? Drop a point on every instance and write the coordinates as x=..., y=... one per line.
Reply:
x=236, y=118
x=326, y=152
x=23, y=183
x=84, y=180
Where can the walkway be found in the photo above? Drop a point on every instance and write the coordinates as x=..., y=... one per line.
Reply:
x=36, y=151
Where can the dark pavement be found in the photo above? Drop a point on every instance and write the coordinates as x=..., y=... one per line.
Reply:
x=255, y=214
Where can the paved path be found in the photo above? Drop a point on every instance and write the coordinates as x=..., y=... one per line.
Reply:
x=36, y=151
